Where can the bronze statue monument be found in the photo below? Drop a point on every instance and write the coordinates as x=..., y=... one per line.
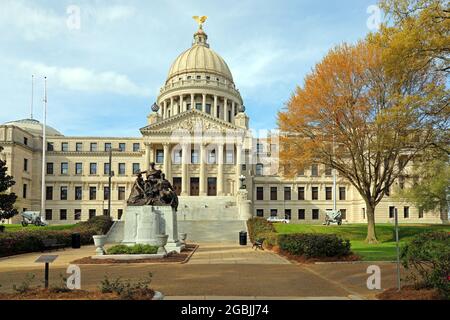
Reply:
x=155, y=190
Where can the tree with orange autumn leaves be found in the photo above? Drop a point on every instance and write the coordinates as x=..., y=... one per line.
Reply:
x=354, y=116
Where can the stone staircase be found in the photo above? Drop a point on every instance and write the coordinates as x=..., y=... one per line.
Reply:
x=207, y=209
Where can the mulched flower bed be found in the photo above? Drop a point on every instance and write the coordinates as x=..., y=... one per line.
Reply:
x=48, y=294
x=409, y=293
x=182, y=257
x=304, y=260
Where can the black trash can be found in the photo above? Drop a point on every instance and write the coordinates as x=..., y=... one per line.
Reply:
x=243, y=238
x=76, y=241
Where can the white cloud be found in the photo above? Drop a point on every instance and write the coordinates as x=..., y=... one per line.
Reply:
x=82, y=79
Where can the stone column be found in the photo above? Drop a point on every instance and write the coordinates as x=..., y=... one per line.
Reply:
x=182, y=109
x=233, y=106
x=165, y=109
x=220, y=170
x=225, y=109
x=238, y=165
x=203, y=178
x=204, y=103
x=192, y=101
x=184, y=170
x=147, y=156
x=167, y=161
x=172, y=107
x=215, y=106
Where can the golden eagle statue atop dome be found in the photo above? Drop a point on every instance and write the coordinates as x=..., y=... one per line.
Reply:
x=200, y=20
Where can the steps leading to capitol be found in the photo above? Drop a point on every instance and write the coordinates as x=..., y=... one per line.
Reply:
x=207, y=209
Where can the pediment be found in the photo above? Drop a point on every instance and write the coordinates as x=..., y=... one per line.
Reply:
x=191, y=121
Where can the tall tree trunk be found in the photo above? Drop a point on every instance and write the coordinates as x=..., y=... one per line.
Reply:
x=371, y=233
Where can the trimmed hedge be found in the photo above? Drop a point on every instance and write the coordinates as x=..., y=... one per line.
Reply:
x=427, y=258
x=136, y=249
x=311, y=245
x=259, y=228
x=25, y=241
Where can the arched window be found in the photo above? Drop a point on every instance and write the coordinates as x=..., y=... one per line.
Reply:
x=259, y=169
x=212, y=157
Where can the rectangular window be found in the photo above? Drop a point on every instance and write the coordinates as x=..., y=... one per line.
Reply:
x=63, y=194
x=344, y=214
x=24, y=189
x=122, y=147
x=315, y=214
x=105, y=212
x=273, y=193
x=64, y=168
x=79, y=146
x=92, y=168
x=92, y=193
x=287, y=193
x=288, y=214
x=48, y=214
x=301, y=214
x=25, y=165
x=121, y=169
x=259, y=169
x=106, y=168
x=315, y=193
x=25, y=141
x=136, y=147
x=406, y=212
x=260, y=193
x=208, y=109
x=106, y=192
x=391, y=212
x=49, y=167
x=259, y=148
x=78, y=168
x=77, y=214
x=229, y=159
x=136, y=168
x=78, y=193
x=119, y=213
x=159, y=156
x=178, y=156
x=92, y=213
x=420, y=213
x=198, y=106
x=328, y=171
x=49, y=193
x=342, y=195
x=63, y=214
x=50, y=146
x=121, y=193
x=195, y=159
x=107, y=146
x=260, y=213
x=93, y=146
x=328, y=193
x=301, y=172
x=273, y=212
x=64, y=147
x=301, y=193
x=315, y=170
x=212, y=157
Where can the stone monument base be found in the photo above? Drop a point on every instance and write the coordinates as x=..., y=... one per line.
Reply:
x=144, y=223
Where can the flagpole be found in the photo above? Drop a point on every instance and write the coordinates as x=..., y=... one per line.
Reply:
x=44, y=149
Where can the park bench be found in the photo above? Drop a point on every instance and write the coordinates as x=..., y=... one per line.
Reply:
x=258, y=244
x=51, y=244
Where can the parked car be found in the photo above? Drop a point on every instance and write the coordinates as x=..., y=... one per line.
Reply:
x=278, y=220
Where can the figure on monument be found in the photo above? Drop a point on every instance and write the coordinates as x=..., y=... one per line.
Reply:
x=137, y=195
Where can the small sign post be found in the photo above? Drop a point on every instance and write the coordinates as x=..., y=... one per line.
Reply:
x=47, y=259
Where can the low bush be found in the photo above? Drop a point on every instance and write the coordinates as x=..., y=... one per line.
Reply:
x=127, y=289
x=427, y=258
x=258, y=226
x=314, y=245
x=24, y=241
x=136, y=249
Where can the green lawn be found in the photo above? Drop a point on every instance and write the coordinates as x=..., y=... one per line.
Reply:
x=356, y=233
x=18, y=227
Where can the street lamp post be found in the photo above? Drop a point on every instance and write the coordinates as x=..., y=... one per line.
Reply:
x=110, y=175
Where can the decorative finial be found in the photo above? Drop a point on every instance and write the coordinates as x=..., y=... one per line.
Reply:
x=200, y=20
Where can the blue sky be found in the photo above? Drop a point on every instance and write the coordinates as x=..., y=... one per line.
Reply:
x=104, y=76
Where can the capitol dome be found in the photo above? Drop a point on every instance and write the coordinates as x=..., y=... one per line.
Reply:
x=200, y=58
x=34, y=127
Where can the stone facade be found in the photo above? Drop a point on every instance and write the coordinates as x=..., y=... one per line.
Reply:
x=198, y=134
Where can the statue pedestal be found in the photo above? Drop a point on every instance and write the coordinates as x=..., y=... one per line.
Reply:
x=244, y=205
x=143, y=224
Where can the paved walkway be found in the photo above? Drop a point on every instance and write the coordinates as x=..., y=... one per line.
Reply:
x=224, y=271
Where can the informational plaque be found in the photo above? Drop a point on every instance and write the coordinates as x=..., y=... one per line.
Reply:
x=46, y=258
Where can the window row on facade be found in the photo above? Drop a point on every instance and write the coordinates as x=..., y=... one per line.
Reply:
x=301, y=194
x=78, y=193
x=313, y=171
x=302, y=214
x=76, y=214
x=93, y=168
x=93, y=147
